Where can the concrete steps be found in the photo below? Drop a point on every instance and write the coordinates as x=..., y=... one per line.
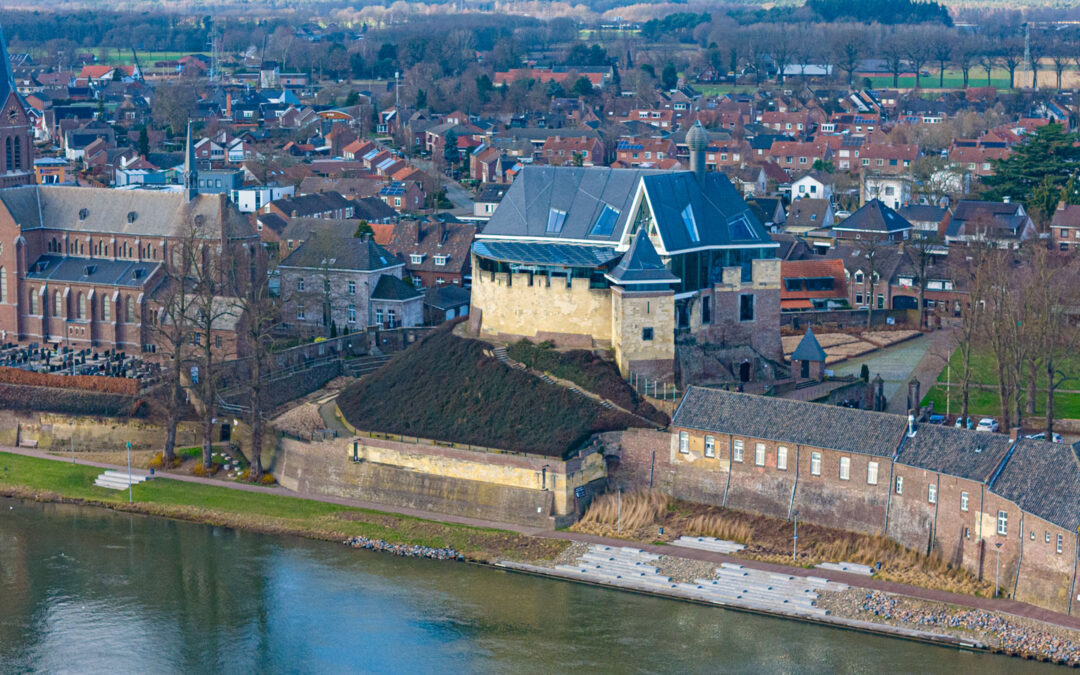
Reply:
x=118, y=480
x=364, y=365
x=709, y=544
x=854, y=568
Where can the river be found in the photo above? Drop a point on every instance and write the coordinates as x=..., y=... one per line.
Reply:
x=92, y=591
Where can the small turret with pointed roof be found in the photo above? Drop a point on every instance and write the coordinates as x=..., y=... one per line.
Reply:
x=809, y=348
x=191, y=170
x=641, y=264
x=697, y=140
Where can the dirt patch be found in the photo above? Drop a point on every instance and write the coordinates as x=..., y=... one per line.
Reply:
x=301, y=421
x=139, y=459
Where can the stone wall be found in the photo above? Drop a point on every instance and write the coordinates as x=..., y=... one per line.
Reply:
x=493, y=486
x=848, y=318
x=525, y=305
x=53, y=431
x=631, y=315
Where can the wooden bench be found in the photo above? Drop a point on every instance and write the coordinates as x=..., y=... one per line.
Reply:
x=28, y=442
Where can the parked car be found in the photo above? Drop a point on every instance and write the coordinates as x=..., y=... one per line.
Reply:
x=960, y=423
x=1041, y=436
x=937, y=419
x=988, y=424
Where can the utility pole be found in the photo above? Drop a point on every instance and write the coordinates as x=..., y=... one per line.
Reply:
x=618, y=509
x=997, y=569
x=130, y=498
x=72, y=425
x=795, y=538
x=397, y=103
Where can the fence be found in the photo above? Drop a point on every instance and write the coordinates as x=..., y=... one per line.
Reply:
x=654, y=388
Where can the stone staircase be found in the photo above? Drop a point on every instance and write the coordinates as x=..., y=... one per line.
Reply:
x=364, y=365
x=709, y=544
x=502, y=357
x=118, y=480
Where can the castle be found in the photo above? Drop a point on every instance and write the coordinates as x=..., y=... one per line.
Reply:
x=628, y=259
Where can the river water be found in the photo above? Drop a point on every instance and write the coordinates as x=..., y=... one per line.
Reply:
x=91, y=591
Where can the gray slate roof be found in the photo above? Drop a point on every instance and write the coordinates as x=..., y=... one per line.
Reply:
x=92, y=271
x=157, y=213
x=967, y=453
x=874, y=217
x=796, y=422
x=447, y=296
x=535, y=253
x=721, y=216
x=641, y=264
x=1043, y=478
x=340, y=253
x=809, y=348
x=390, y=287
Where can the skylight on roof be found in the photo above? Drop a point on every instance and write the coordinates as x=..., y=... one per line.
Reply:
x=556, y=218
x=605, y=222
x=740, y=229
x=691, y=224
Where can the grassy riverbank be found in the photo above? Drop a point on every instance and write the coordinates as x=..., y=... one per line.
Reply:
x=47, y=480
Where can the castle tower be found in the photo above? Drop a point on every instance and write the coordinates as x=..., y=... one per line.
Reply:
x=697, y=140
x=191, y=169
x=643, y=312
x=17, y=160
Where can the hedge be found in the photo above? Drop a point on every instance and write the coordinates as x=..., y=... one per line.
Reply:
x=94, y=383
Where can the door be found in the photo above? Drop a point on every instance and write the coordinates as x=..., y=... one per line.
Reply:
x=805, y=372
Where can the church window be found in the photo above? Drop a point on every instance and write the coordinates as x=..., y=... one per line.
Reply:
x=58, y=304
x=106, y=308
x=130, y=309
x=3, y=285
x=82, y=306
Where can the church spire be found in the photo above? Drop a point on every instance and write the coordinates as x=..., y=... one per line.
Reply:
x=8, y=84
x=191, y=170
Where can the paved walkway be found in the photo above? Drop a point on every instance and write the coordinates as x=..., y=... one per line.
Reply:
x=854, y=580
x=923, y=357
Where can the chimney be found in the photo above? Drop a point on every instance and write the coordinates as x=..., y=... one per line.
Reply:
x=697, y=140
x=910, y=425
x=228, y=106
x=1014, y=434
x=1007, y=199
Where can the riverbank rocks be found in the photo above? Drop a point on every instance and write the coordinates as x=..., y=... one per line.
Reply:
x=404, y=550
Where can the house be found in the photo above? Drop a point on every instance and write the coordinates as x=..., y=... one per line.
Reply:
x=578, y=151
x=814, y=184
x=320, y=205
x=751, y=181
x=350, y=283
x=1064, y=227
x=981, y=501
x=892, y=190
x=485, y=203
x=445, y=303
x=809, y=214
x=1005, y=224
x=435, y=253
x=925, y=219
x=812, y=284
x=627, y=258
x=770, y=211
x=873, y=221
x=402, y=196
x=808, y=359
x=868, y=272
x=888, y=159
x=639, y=151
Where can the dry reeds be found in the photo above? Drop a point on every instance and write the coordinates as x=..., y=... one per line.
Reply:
x=639, y=510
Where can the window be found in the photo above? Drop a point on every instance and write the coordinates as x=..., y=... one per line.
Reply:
x=759, y=454
x=858, y=298
x=106, y=308
x=352, y=313
x=605, y=222
x=352, y=288
x=931, y=494
x=34, y=308
x=899, y=485
x=881, y=301
x=858, y=277
x=690, y=223
x=684, y=442
x=299, y=312
x=556, y=219
x=706, y=309
x=416, y=258
x=781, y=458
x=378, y=317
x=647, y=334
x=1048, y=536
x=845, y=468
x=736, y=450
x=815, y=463
x=963, y=501
x=1060, y=542
x=871, y=473
x=746, y=308
x=58, y=304
x=1003, y=523
x=300, y=284
x=82, y=307
x=710, y=446
x=440, y=260
x=3, y=284
x=130, y=309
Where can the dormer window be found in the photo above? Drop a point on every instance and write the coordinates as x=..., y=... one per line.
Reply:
x=440, y=260
x=556, y=220
x=132, y=216
x=416, y=258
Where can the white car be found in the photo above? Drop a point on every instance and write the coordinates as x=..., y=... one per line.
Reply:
x=987, y=424
x=1041, y=436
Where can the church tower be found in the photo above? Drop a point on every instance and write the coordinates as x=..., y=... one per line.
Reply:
x=17, y=158
x=191, y=169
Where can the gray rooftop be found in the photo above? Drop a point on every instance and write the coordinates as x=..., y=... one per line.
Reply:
x=809, y=348
x=390, y=287
x=1043, y=479
x=874, y=216
x=530, y=253
x=325, y=251
x=796, y=422
x=967, y=453
x=642, y=265
x=92, y=271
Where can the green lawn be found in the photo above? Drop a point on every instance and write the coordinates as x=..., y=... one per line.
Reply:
x=986, y=402
x=263, y=511
x=954, y=79
x=984, y=370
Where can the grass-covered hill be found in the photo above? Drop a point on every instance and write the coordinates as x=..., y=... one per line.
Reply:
x=445, y=388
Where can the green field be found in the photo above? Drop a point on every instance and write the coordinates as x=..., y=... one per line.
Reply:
x=264, y=512
x=122, y=56
x=984, y=370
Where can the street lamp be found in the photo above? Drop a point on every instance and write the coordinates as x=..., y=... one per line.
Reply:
x=794, y=537
x=72, y=439
x=618, y=508
x=130, y=498
x=997, y=569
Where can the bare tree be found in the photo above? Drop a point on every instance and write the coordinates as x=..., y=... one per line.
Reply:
x=894, y=51
x=1036, y=49
x=1052, y=295
x=965, y=57
x=918, y=53
x=921, y=252
x=942, y=45
x=971, y=273
x=987, y=60
x=171, y=330
x=847, y=49
x=211, y=308
x=1012, y=55
x=872, y=249
x=1059, y=55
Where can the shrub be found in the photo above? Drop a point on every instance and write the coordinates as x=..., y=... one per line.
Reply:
x=202, y=471
x=268, y=479
x=98, y=383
